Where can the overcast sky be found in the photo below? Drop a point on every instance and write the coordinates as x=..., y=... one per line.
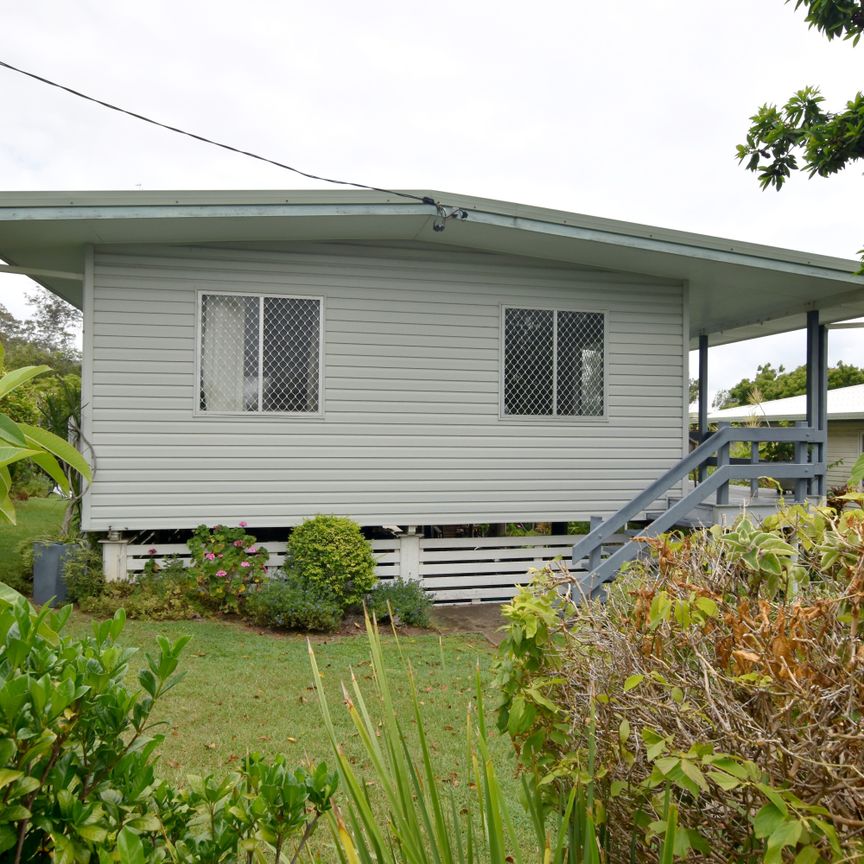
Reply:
x=629, y=110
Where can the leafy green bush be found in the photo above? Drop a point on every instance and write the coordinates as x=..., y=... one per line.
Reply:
x=22, y=580
x=82, y=572
x=77, y=754
x=227, y=562
x=24, y=442
x=410, y=604
x=333, y=558
x=168, y=594
x=286, y=603
x=29, y=482
x=722, y=667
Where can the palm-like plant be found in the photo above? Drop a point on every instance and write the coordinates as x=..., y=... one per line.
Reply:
x=20, y=441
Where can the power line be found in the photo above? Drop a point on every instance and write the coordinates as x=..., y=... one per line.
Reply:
x=443, y=214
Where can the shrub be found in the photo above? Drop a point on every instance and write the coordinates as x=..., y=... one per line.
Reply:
x=22, y=580
x=227, y=562
x=286, y=603
x=330, y=555
x=82, y=573
x=77, y=755
x=410, y=604
x=170, y=593
x=722, y=666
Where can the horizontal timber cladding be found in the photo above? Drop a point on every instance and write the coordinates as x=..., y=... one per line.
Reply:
x=845, y=445
x=411, y=430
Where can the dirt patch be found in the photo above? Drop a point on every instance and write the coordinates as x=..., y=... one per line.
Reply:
x=482, y=618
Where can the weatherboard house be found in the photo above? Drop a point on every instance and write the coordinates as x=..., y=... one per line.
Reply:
x=265, y=356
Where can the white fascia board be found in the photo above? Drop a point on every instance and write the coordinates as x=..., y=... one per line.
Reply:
x=224, y=211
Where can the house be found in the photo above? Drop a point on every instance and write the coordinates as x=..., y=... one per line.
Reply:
x=408, y=358
x=845, y=428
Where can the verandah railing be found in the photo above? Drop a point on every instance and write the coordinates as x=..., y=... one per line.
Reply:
x=713, y=451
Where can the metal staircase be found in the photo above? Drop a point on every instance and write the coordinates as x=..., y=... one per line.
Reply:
x=600, y=564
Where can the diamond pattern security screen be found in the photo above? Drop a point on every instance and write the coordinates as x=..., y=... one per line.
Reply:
x=260, y=354
x=553, y=363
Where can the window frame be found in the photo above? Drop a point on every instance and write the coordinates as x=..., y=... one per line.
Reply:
x=553, y=418
x=197, y=411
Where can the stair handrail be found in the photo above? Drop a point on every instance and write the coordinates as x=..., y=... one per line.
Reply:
x=608, y=567
x=693, y=460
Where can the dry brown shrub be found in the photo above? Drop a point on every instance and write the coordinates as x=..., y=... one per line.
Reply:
x=768, y=668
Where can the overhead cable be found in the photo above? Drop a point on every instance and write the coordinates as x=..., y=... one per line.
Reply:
x=444, y=213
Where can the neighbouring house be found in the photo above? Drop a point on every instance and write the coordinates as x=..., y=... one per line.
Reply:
x=270, y=355
x=845, y=428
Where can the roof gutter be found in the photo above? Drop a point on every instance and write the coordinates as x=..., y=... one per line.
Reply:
x=666, y=247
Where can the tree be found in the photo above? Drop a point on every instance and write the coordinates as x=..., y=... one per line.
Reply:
x=693, y=390
x=770, y=383
x=22, y=441
x=803, y=129
x=47, y=339
x=54, y=322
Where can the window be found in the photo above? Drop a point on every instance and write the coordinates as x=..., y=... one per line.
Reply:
x=553, y=363
x=260, y=354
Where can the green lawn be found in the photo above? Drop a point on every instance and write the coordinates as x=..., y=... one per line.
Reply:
x=37, y=517
x=247, y=690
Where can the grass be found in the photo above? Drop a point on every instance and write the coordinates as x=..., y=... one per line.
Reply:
x=37, y=517
x=247, y=690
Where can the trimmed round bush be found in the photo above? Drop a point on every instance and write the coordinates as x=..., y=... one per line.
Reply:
x=333, y=559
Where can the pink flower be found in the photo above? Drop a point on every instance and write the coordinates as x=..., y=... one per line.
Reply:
x=242, y=524
x=210, y=556
x=245, y=564
x=238, y=543
x=151, y=551
x=252, y=550
x=221, y=574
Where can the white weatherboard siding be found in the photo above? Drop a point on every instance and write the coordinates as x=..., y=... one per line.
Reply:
x=845, y=438
x=411, y=432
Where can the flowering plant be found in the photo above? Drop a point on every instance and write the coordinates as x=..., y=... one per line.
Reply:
x=226, y=562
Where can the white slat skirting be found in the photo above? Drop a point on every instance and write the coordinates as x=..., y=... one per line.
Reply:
x=457, y=570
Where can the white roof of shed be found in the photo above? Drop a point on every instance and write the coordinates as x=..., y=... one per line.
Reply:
x=844, y=403
x=736, y=290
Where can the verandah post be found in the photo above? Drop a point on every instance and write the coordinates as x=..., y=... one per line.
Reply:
x=822, y=415
x=800, y=458
x=817, y=382
x=114, y=557
x=703, y=398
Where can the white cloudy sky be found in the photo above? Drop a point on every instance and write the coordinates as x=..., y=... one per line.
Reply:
x=629, y=110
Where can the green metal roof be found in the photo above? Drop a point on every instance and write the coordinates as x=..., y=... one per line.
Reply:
x=737, y=290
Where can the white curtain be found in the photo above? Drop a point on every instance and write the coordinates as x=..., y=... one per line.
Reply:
x=222, y=353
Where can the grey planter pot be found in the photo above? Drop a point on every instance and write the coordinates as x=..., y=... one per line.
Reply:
x=48, y=561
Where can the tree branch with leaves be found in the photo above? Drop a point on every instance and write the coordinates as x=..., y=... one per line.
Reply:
x=802, y=135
